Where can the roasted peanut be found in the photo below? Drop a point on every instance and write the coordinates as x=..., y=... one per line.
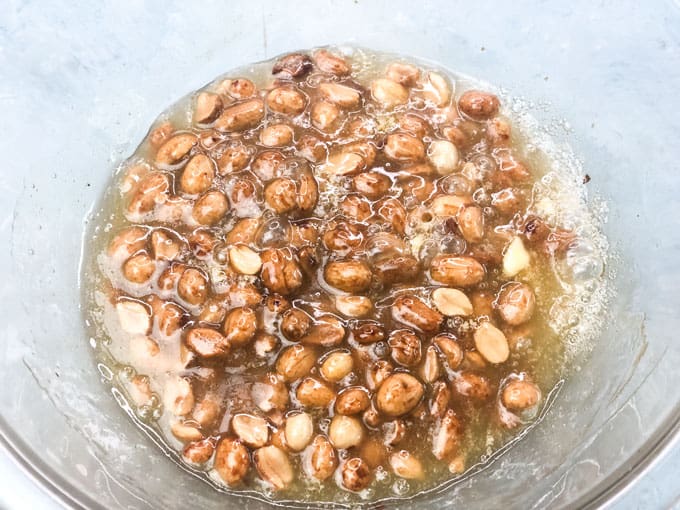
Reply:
x=325, y=116
x=478, y=105
x=377, y=372
x=336, y=366
x=343, y=163
x=399, y=394
x=343, y=237
x=430, y=370
x=294, y=65
x=348, y=275
x=128, y=241
x=199, y=452
x=345, y=431
x=208, y=108
x=449, y=205
x=390, y=269
x=388, y=93
x=286, y=101
x=175, y=150
x=295, y=324
x=152, y=190
x=456, y=270
x=206, y=412
x=240, y=88
x=192, y=286
x=313, y=393
x=372, y=185
x=281, y=195
x=446, y=436
x=233, y=158
x=165, y=245
x=404, y=347
x=210, y=208
x=406, y=465
x=451, y=302
x=207, y=342
x=273, y=466
x=356, y=475
x=402, y=147
x=355, y=207
x=276, y=135
x=404, y=74
x=519, y=395
x=331, y=64
x=322, y=459
x=231, y=461
x=391, y=211
x=280, y=272
x=353, y=306
x=368, y=333
x=352, y=400
x=436, y=90
x=198, y=175
x=311, y=148
x=516, y=303
x=342, y=95
x=452, y=351
x=160, y=133
x=139, y=268
x=295, y=362
x=491, y=343
x=413, y=312
x=241, y=116
x=307, y=191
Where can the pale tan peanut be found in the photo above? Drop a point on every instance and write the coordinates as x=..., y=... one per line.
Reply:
x=399, y=394
x=336, y=366
x=348, y=275
x=295, y=362
x=516, y=258
x=198, y=175
x=240, y=326
x=403, y=147
x=139, y=390
x=271, y=394
x=457, y=465
x=295, y=324
x=313, y=393
x=265, y=344
x=372, y=185
x=244, y=231
x=354, y=306
x=451, y=302
x=320, y=459
x=139, y=268
x=244, y=259
x=498, y=131
x=276, y=135
x=452, y=351
x=151, y=191
x=208, y=107
x=343, y=163
x=356, y=475
x=446, y=436
x=233, y=158
x=443, y=156
x=143, y=349
x=178, y=396
x=355, y=207
x=472, y=386
x=345, y=431
x=160, y=133
x=192, y=286
x=280, y=272
x=394, y=432
x=168, y=316
x=436, y=89
x=231, y=460
x=325, y=116
x=206, y=411
x=273, y=466
x=327, y=331
x=430, y=370
x=134, y=318
x=345, y=97
x=518, y=395
x=439, y=401
x=449, y=205
x=404, y=347
x=470, y=221
x=185, y=433
x=404, y=74
x=388, y=93
x=128, y=241
x=406, y=465
x=241, y=116
x=516, y=302
x=478, y=105
x=299, y=430
x=330, y=63
x=460, y=271
x=175, y=149
x=413, y=312
x=199, y=452
x=491, y=343
x=165, y=245
x=252, y=430
x=377, y=373
x=311, y=148
x=281, y=195
x=207, y=342
x=286, y=101
x=352, y=400
x=294, y=65
x=210, y=208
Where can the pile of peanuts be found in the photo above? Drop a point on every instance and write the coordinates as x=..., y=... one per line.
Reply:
x=352, y=252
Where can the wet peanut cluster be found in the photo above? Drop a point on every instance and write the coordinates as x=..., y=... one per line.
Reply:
x=322, y=279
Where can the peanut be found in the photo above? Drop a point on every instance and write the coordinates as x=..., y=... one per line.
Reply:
x=399, y=394
x=331, y=64
x=241, y=116
x=443, y=156
x=327, y=331
x=276, y=135
x=430, y=370
x=345, y=431
x=354, y=306
x=294, y=65
x=313, y=393
x=356, y=475
x=231, y=461
x=472, y=386
x=139, y=268
x=404, y=347
x=456, y=270
x=207, y=342
x=208, y=108
x=451, y=350
x=295, y=324
x=322, y=459
x=352, y=400
x=388, y=93
x=240, y=326
x=133, y=317
x=185, y=433
x=413, y=312
x=470, y=220
x=446, y=436
x=345, y=97
x=252, y=430
x=273, y=466
x=244, y=260
x=343, y=163
x=165, y=245
x=192, y=286
x=491, y=343
x=516, y=258
x=404, y=74
x=198, y=175
x=519, y=395
x=295, y=362
x=280, y=272
x=451, y=302
x=128, y=241
x=281, y=195
x=439, y=402
x=516, y=303
x=325, y=116
x=402, y=147
x=240, y=88
x=478, y=105
x=286, y=101
x=436, y=90
x=199, y=452
x=348, y=275
x=178, y=396
x=336, y=366
x=377, y=373
x=175, y=150
x=233, y=158
x=210, y=208
x=406, y=465
x=152, y=190
x=372, y=185
x=271, y=394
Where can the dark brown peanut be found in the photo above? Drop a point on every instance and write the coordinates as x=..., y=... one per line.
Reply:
x=281, y=195
x=459, y=271
x=356, y=475
x=192, y=286
x=280, y=272
x=472, y=385
x=377, y=372
x=240, y=326
x=404, y=347
x=415, y=313
x=353, y=400
x=327, y=331
x=392, y=269
x=294, y=65
x=295, y=324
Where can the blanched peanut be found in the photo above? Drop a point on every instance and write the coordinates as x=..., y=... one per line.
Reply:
x=459, y=271
x=348, y=275
x=273, y=466
x=436, y=90
x=399, y=394
x=389, y=93
x=244, y=231
x=404, y=74
x=244, y=260
x=406, y=465
x=199, y=452
x=352, y=400
x=345, y=431
x=491, y=343
x=185, y=433
x=175, y=149
x=331, y=64
x=478, y=105
x=415, y=313
x=276, y=135
x=449, y=205
x=327, y=331
x=271, y=394
x=443, y=156
x=192, y=286
x=231, y=461
x=165, y=245
x=233, y=158
x=281, y=195
x=210, y=208
x=516, y=303
x=252, y=430
x=198, y=175
x=439, y=402
x=295, y=362
x=342, y=95
x=128, y=241
x=403, y=147
x=280, y=272
x=321, y=459
x=325, y=116
x=377, y=373
x=337, y=365
x=295, y=324
x=446, y=436
x=139, y=268
x=313, y=393
x=470, y=220
x=451, y=350
x=178, y=396
x=472, y=386
x=133, y=317
x=354, y=306
x=286, y=101
x=208, y=107
x=152, y=190
x=519, y=395
x=356, y=475
x=404, y=347
x=294, y=65
x=430, y=370
x=207, y=342
x=240, y=326
x=299, y=430
x=343, y=163
x=372, y=185
x=451, y=302
x=241, y=116
x=516, y=258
